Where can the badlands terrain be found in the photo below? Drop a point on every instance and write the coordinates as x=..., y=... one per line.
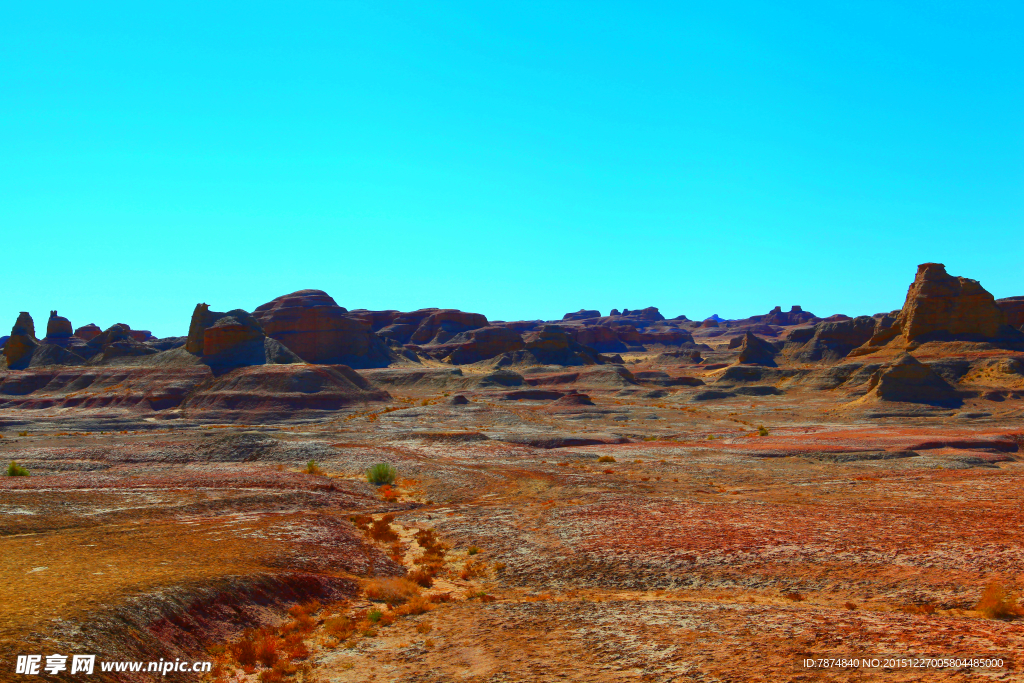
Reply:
x=606, y=498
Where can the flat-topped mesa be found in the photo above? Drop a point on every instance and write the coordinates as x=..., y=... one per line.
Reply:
x=941, y=307
x=312, y=325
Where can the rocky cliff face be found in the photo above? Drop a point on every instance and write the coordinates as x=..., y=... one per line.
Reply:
x=1013, y=308
x=318, y=330
x=940, y=304
x=232, y=340
x=941, y=307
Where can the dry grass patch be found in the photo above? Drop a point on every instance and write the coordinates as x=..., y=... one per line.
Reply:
x=392, y=590
x=999, y=603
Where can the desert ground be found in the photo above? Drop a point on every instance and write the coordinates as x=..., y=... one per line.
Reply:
x=670, y=516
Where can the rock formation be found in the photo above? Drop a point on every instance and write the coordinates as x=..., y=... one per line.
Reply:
x=1013, y=308
x=317, y=329
x=756, y=351
x=940, y=307
x=88, y=332
x=582, y=314
x=833, y=340
x=58, y=327
x=477, y=345
x=552, y=345
x=939, y=304
x=908, y=380
x=24, y=325
x=231, y=340
x=281, y=390
x=795, y=316
x=22, y=343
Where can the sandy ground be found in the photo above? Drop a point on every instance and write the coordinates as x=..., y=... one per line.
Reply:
x=704, y=551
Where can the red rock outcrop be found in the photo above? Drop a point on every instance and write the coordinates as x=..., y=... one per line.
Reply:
x=24, y=325
x=227, y=333
x=1013, y=308
x=22, y=343
x=439, y=327
x=58, y=327
x=943, y=304
x=312, y=325
x=756, y=351
x=425, y=326
x=230, y=340
x=795, y=316
x=476, y=345
x=582, y=314
x=940, y=307
x=88, y=332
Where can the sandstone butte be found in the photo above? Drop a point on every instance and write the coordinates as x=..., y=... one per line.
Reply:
x=942, y=307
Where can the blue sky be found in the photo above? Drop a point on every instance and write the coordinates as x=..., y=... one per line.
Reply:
x=516, y=159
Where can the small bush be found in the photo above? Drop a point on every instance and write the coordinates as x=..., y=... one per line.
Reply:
x=762, y=430
x=473, y=550
x=381, y=530
x=245, y=649
x=606, y=458
x=416, y=605
x=381, y=473
x=374, y=616
x=22, y=433
x=424, y=627
x=391, y=590
x=267, y=649
x=422, y=577
x=472, y=569
x=16, y=470
x=998, y=603
x=313, y=468
x=340, y=627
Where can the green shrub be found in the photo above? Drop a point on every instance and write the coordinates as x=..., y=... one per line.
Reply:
x=381, y=473
x=313, y=468
x=606, y=458
x=374, y=615
x=762, y=430
x=16, y=470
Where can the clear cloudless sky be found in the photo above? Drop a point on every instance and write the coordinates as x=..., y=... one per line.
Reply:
x=519, y=159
